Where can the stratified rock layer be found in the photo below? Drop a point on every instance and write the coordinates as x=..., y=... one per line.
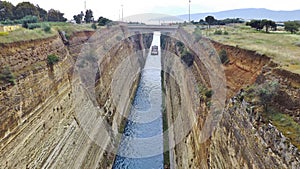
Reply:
x=39, y=127
x=240, y=139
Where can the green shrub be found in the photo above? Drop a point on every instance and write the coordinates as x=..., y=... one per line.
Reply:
x=267, y=92
x=52, y=59
x=46, y=27
x=7, y=76
x=188, y=58
x=197, y=34
x=209, y=103
x=24, y=21
x=27, y=20
x=226, y=33
x=7, y=22
x=180, y=46
x=218, y=32
x=223, y=56
x=94, y=26
x=209, y=93
x=33, y=25
x=25, y=25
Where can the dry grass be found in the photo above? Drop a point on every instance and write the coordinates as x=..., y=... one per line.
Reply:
x=281, y=46
x=70, y=28
x=23, y=34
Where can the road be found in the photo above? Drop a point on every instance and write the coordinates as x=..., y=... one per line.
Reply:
x=152, y=28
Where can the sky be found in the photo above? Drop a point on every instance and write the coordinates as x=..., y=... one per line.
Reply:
x=112, y=8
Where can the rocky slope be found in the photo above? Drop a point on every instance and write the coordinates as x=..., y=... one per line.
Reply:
x=39, y=124
x=240, y=138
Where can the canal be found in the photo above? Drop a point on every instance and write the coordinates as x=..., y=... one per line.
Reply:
x=141, y=146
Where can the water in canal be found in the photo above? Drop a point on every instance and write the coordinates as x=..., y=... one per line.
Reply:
x=141, y=146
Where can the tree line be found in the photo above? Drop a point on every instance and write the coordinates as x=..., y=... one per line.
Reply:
x=261, y=24
x=210, y=20
x=10, y=12
x=88, y=17
x=258, y=24
x=290, y=26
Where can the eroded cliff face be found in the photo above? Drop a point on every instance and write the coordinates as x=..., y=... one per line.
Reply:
x=240, y=139
x=288, y=98
x=36, y=111
x=39, y=126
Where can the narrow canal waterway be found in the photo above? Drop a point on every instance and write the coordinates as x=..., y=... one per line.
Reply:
x=141, y=146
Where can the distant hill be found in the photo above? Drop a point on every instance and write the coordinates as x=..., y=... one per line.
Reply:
x=247, y=14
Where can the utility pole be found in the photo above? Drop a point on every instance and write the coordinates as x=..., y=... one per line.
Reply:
x=189, y=11
x=122, y=13
x=84, y=5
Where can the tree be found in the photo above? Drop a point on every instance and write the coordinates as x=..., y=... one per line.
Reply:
x=202, y=22
x=232, y=20
x=257, y=24
x=210, y=20
x=291, y=26
x=56, y=16
x=23, y=9
x=103, y=21
x=273, y=26
x=88, y=16
x=267, y=24
x=78, y=18
x=6, y=10
x=260, y=24
x=42, y=13
x=267, y=91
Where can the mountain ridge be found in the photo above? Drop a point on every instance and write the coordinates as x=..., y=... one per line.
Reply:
x=248, y=14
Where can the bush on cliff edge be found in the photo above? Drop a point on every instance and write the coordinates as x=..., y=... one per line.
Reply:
x=52, y=59
x=7, y=76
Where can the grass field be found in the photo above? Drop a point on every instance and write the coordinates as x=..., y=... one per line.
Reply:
x=70, y=28
x=25, y=34
x=38, y=33
x=281, y=46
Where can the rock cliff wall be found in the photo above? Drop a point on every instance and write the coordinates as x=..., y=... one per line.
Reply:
x=239, y=140
x=39, y=125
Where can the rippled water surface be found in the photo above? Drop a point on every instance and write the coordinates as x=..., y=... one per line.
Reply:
x=142, y=142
